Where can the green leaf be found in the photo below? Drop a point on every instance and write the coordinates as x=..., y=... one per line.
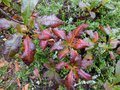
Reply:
x=105, y=1
x=6, y=2
x=116, y=79
x=116, y=87
x=27, y=8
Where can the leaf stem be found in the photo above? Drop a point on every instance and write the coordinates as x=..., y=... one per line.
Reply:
x=4, y=13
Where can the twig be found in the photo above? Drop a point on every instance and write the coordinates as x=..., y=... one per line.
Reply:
x=4, y=13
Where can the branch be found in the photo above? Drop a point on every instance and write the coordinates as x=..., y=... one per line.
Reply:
x=4, y=13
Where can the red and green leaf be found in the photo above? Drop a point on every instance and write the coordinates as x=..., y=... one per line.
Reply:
x=79, y=44
x=63, y=53
x=73, y=54
x=95, y=37
x=60, y=65
x=45, y=34
x=79, y=29
x=57, y=46
x=60, y=33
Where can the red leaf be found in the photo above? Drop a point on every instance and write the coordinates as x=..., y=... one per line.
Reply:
x=60, y=33
x=73, y=54
x=77, y=77
x=69, y=81
x=45, y=34
x=79, y=29
x=57, y=46
x=43, y=44
x=118, y=50
x=29, y=51
x=95, y=37
x=101, y=28
x=63, y=53
x=86, y=63
x=51, y=21
x=60, y=65
x=80, y=44
x=84, y=74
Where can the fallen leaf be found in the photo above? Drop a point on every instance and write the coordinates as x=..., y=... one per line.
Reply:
x=6, y=24
x=2, y=89
x=18, y=82
x=3, y=62
x=82, y=4
x=17, y=66
x=92, y=14
x=36, y=73
x=25, y=87
x=12, y=46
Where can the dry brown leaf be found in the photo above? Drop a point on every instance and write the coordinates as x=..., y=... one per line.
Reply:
x=18, y=82
x=1, y=88
x=3, y=62
x=17, y=66
x=25, y=87
x=36, y=73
